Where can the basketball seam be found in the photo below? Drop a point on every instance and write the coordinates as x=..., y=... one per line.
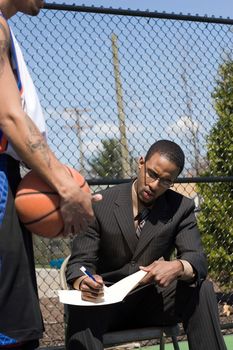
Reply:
x=41, y=218
x=60, y=231
x=71, y=174
x=37, y=192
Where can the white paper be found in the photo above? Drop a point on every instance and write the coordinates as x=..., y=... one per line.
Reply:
x=113, y=294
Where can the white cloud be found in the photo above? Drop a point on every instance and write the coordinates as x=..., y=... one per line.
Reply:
x=183, y=126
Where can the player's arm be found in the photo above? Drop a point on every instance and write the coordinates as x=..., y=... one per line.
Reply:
x=31, y=146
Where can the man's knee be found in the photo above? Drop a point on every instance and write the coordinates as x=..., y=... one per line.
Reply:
x=84, y=340
x=207, y=289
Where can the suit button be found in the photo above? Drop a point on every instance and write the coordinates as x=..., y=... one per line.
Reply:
x=133, y=263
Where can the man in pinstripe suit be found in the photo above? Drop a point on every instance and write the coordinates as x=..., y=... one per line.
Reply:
x=117, y=245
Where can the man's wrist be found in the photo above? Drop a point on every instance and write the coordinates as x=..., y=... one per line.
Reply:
x=180, y=272
x=188, y=273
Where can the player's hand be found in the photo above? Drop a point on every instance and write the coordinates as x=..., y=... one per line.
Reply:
x=76, y=209
x=162, y=272
x=91, y=290
x=96, y=197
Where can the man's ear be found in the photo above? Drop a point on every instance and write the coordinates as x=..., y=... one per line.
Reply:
x=141, y=162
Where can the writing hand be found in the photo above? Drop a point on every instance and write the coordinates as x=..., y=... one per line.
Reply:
x=92, y=290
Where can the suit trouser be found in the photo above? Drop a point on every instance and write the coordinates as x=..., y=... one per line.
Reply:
x=195, y=307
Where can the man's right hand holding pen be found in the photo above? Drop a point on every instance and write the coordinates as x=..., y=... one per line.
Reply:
x=91, y=286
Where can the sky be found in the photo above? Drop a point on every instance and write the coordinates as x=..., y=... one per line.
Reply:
x=70, y=58
x=223, y=8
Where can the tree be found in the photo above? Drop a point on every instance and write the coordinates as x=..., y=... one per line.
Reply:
x=107, y=163
x=215, y=218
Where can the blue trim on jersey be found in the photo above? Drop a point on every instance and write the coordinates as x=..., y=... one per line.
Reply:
x=5, y=340
x=3, y=186
x=1, y=135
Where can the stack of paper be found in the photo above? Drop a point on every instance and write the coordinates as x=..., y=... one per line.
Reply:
x=114, y=294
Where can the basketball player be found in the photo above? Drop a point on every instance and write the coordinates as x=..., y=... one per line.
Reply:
x=22, y=138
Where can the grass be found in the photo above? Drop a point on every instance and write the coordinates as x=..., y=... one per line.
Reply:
x=184, y=345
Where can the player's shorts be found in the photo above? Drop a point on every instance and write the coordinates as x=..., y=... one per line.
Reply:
x=20, y=316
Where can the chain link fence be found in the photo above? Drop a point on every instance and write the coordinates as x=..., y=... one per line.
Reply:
x=111, y=82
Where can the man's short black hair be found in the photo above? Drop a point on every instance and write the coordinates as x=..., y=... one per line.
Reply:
x=168, y=149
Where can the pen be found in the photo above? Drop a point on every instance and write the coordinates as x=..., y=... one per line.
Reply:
x=87, y=273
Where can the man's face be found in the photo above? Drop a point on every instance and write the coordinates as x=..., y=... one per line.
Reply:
x=155, y=176
x=29, y=7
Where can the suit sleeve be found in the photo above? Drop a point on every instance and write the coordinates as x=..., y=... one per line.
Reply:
x=188, y=243
x=85, y=249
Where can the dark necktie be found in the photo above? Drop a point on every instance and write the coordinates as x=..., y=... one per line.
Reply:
x=141, y=218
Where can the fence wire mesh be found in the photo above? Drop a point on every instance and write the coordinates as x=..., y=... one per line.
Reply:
x=112, y=84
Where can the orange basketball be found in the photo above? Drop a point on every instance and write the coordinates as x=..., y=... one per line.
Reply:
x=38, y=205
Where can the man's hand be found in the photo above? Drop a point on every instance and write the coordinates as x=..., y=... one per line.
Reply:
x=162, y=272
x=76, y=209
x=91, y=290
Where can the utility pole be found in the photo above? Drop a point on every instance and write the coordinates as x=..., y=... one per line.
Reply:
x=121, y=115
x=77, y=113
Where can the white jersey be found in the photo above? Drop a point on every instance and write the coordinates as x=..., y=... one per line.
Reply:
x=29, y=98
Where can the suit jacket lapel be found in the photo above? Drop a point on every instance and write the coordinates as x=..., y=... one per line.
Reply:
x=159, y=216
x=124, y=215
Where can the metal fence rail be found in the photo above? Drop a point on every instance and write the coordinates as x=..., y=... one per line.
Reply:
x=113, y=81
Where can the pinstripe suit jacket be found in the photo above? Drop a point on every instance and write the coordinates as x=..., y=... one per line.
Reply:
x=111, y=248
